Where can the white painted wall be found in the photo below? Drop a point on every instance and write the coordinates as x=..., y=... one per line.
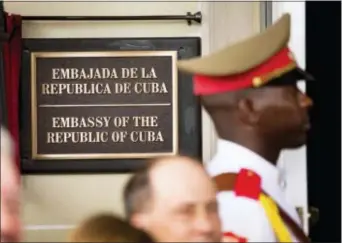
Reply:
x=293, y=163
x=54, y=203
x=228, y=22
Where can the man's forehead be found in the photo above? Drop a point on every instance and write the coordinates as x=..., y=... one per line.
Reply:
x=174, y=172
x=172, y=198
x=182, y=183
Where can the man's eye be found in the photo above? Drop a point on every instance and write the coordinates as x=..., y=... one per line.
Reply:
x=186, y=211
x=212, y=207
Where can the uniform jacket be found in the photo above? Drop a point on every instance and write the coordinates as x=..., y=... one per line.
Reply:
x=241, y=216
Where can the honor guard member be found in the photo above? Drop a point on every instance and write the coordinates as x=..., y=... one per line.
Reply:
x=250, y=91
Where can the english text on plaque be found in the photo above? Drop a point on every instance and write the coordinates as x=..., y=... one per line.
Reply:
x=104, y=137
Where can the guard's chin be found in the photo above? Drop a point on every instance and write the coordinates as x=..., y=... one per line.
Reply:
x=298, y=142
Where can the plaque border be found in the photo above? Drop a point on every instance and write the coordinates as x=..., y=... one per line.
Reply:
x=189, y=107
x=132, y=53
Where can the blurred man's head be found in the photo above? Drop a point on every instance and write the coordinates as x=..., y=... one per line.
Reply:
x=10, y=221
x=175, y=201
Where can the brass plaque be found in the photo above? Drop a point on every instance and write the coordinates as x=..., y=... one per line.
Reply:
x=103, y=105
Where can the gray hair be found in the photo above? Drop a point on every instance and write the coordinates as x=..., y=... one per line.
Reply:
x=7, y=146
x=137, y=193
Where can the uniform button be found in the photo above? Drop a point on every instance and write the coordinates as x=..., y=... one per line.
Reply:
x=257, y=81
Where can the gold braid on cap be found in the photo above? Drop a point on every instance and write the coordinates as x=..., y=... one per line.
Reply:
x=258, y=81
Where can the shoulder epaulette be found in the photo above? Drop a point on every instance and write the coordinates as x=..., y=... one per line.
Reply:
x=231, y=237
x=248, y=184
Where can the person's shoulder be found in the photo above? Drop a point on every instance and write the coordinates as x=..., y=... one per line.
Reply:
x=241, y=212
x=246, y=184
x=238, y=190
x=243, y=219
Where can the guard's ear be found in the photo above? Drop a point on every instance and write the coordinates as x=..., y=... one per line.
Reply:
x=247, y=112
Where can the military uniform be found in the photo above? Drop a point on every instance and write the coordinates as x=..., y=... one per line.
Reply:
x=244, y=215
x=253, y=207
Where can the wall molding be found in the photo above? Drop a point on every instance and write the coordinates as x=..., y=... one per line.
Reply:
x=224, y=23
x=38, y=227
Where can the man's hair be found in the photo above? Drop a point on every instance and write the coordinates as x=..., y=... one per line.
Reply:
x=137, y=192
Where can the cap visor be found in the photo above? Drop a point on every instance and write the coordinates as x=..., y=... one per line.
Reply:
x=302, y=74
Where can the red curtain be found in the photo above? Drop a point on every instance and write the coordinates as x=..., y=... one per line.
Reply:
x=12, y=65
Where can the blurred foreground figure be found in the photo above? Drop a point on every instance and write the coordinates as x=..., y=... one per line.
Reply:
x=173, y=199
x=108, y=228
x=250, y=91
x=10, y=196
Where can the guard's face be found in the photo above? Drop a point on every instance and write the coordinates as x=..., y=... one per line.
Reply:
x=284, y=115
x=10, y=221
x=184, y=208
